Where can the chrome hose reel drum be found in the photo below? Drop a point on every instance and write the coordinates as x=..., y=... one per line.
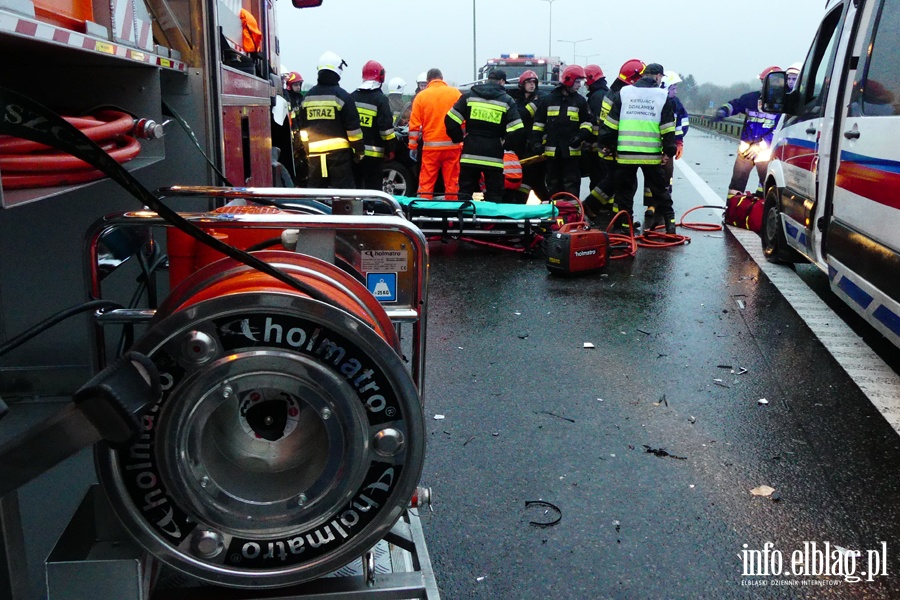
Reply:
x=289, y=437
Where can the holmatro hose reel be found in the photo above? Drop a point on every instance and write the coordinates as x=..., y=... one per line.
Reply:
x=289, y=437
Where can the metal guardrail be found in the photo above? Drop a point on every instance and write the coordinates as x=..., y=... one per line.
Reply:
x=731, y=126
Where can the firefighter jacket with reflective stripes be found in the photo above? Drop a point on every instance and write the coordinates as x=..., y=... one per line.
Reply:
x=758, y=126
x=641, y=124
x=562, y=121
x=491, y=121
x=375, y=120
x=682, y=120
x=596, y=93
x=527, y=106
x=426, y=122
x=328, y=120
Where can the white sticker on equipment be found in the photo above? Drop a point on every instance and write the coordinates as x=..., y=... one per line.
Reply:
x=384, y=260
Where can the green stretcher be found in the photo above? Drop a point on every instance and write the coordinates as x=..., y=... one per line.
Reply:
x=514, y=226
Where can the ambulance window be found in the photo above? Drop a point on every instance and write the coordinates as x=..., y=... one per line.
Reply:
x=879, y=92
x=813, y=87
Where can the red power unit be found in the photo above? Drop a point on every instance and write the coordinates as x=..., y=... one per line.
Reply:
x=576, y=249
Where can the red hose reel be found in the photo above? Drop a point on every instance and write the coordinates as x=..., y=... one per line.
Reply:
x=27, y=164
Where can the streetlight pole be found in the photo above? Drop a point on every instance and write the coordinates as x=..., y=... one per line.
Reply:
x=550, y=29
x=574, y=45
x=474, y=46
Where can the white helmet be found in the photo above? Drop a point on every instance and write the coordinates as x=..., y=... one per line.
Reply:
x=330, y=61
x=670, y=78
x=396, y=86
x=794, y=68
x=422, y=78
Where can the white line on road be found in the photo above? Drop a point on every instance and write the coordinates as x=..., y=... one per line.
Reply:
x=875, y=378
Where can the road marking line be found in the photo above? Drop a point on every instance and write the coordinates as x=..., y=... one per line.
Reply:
x=877, y=380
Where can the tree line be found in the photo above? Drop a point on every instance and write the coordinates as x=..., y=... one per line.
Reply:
x=705, y=98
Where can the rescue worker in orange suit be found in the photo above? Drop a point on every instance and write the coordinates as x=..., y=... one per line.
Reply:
x=376, y=122
x=601, y=198
x=426, y=125
x=597, y=90
x=534, y=174
x=329, y=128
x=640, y=126
x=491, y=122
x=562, y=123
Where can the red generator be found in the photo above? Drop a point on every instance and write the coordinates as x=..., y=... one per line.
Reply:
x=576, y=249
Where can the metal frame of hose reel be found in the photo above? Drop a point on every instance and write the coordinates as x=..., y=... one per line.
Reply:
x=352, y=233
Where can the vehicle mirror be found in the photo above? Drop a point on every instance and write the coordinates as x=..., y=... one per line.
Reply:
x=306, y=3
x=774, y=92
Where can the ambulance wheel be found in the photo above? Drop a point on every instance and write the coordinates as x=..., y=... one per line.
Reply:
x=398, y=180
x=774, y=244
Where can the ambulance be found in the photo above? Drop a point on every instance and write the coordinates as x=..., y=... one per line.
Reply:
x=832, y=191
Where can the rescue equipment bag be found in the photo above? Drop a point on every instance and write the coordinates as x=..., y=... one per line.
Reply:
x=745, y=211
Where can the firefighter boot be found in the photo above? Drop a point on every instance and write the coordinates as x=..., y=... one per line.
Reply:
x=669, y=219
x=650, y=218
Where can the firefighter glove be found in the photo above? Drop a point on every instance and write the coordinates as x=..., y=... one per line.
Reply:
x=720, y=114
x=575, y=142
x=414, y=155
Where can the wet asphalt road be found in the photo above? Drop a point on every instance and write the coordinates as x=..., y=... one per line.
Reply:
x=532, y=415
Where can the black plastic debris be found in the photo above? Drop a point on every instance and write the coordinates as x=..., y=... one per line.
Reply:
x=661, y=452
x=553, y=520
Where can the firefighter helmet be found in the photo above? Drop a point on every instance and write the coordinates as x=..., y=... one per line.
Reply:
x=772, y=69
x=330, y=61
x=571, y=74
x=631, y=70
x=793, y=73
x=670, y=78
x=422, y=78
x=373, y=71
x=594, y=73
x=528, y=75
x=292, y=78
x=396, y=86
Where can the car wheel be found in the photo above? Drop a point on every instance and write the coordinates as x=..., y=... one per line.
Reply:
x=397, y=180
x=774, y=244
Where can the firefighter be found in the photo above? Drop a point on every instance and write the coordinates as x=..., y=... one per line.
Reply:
x=756, y=137
x=329, y=128
x=562, y=123
x=534, y=173
x=640, y=126
x=426, y=126
x=670, y=82
x=491, y=121
x=601, y=198
x=294, y=84
x=376, y=122
x=594, y=164
x=396, y=87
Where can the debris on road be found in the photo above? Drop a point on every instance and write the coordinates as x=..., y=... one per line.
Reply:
x=523, y=335
x=468, y=440
x=588, y=345
x=549, y=507
x=721, y=383
x=724, y=367
x=762, y=401
x=438, y=417
x=762, y=490
x=480, y=578
x=547, y=412
x=661, y=452
x=644, y=332
x=692, y=419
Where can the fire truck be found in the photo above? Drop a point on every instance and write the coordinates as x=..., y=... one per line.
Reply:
x=230, y=351
x=548, y=68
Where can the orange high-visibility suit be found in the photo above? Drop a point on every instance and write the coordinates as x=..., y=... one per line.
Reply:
x=439, y=153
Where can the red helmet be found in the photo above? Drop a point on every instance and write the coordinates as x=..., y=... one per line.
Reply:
x=292, y=78
x=529, y=74
x=762, y=76
x=631, y=70
x=373, y=71
x=570, y=74
x=594, y=73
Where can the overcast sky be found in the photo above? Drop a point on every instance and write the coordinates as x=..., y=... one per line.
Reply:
x=711, y=39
